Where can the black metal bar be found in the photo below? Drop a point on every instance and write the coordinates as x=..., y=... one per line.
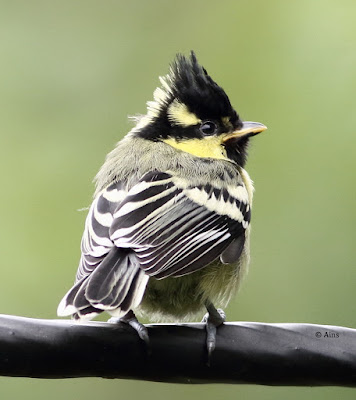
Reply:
x=246, y=352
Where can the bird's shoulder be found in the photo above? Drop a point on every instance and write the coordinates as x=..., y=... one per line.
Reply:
x=218, y=190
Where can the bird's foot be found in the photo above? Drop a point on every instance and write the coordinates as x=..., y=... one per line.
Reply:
x=213, y=319
x=131, y=320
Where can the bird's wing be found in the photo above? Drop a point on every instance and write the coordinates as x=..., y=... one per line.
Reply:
x=161, y=227
x=108, y=278
x=176, y=228
x=96, y=242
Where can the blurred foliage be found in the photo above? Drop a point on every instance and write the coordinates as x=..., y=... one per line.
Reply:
x=71, y=72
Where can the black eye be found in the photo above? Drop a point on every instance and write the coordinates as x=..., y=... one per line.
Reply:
x=208, y=128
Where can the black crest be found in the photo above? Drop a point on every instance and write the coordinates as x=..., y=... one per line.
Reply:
x=190, y=83
x=187, y=83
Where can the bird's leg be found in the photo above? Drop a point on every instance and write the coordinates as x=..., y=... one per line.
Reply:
x=130, y=319
x=213, y=319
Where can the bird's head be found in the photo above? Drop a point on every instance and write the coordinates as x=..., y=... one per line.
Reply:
x=192, y=113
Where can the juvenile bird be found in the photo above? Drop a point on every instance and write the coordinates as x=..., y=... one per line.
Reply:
x=167, y=235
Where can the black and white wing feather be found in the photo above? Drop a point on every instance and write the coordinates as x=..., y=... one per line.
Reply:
x=176, y=229
x=163, y=226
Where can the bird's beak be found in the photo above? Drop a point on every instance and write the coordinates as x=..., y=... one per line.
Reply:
x=248, y=129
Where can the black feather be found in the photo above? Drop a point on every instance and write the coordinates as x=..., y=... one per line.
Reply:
x=190, y=84
x=178, y=235
x=234, y=250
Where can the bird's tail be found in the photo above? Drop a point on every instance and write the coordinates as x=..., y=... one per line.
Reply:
x=116, y=285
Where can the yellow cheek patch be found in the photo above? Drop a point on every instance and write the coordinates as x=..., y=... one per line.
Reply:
x=179, y=114
x=208, y=147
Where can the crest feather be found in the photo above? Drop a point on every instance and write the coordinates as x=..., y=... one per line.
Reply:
x=189, y=84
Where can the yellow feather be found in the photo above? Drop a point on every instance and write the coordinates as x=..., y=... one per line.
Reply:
x=179, y=114
x=208, y=147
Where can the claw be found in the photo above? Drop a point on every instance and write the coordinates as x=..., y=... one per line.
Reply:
x=131, y=320
x=213, y=319
x=140, y=329
x=210, y=338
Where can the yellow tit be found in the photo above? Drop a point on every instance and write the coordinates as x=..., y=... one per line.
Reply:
x=167, y=234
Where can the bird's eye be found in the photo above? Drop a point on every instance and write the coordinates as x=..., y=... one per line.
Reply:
x=208, y=128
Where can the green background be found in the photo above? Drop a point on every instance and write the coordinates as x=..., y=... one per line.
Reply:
x=71, y=72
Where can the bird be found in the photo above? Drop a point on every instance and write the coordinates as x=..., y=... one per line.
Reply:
x=167, y=234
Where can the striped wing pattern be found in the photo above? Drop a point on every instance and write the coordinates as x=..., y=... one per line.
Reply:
x=96, y=242
x=161, y=227
x=176, y=229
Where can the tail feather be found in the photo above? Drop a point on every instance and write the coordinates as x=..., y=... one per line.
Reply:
x=66, y=306
x=116, y=285
x=110, y=283
x=80, y=301
x=86, y=314
x=134, y=296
